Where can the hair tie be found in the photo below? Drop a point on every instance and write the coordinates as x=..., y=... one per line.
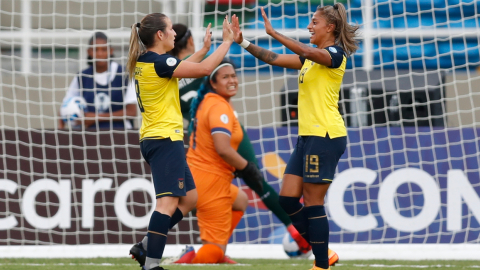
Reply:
x=335, y=6
x=138, y=24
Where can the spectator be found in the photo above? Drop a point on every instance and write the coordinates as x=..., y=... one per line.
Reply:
x=103, y=85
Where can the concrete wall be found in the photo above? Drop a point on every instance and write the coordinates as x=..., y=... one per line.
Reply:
x=87, y=15
x=463, y=99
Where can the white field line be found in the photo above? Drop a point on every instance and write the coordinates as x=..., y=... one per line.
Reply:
x=241, y=265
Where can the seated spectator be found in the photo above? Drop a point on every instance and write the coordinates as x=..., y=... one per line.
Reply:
x=111, y=103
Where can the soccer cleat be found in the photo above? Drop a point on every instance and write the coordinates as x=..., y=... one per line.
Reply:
x=318, y=268
x=228, y=260
x=157, y=268
x=138, y=253
x=302, y=244
x=186, y=256
x=332, y=257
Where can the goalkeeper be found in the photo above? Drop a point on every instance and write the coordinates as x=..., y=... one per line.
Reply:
x=184, y=47
x=322, y=133
x=212, y=158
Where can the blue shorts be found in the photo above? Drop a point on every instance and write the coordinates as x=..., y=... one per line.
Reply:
x=170, y=172
x=316, y=158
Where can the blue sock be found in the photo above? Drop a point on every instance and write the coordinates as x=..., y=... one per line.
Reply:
x=176, y=217
x=157, y=238
x=319, y=232
x=296, y=212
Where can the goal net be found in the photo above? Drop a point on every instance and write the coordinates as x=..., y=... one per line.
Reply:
x=410, y=176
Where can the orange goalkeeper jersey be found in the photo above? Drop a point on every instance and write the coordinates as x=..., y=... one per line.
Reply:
x=214, y=115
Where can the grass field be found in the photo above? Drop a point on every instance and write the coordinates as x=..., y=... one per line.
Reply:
x=124, y=264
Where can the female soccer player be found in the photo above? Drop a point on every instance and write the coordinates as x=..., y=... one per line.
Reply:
x=212, y=158
x=156, y=76
x=103, y=85
x=322, y=133
x=184, y=47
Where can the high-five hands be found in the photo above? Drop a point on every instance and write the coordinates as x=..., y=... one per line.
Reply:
x=237, y=33
x=207, y=40
x=227, y=31
x=268, y=25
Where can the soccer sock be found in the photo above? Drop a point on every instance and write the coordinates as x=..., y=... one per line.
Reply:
x=176, y=217
x=319, y=232
x=269, y=196
x=236, y=217
x=296, y=212
x=157, y=238
x=209, y=253
x=145, y=242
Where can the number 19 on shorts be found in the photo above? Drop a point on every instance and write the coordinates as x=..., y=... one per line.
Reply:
x=311, y=163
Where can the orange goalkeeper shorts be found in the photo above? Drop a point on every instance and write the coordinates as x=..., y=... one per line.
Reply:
x=216, y=195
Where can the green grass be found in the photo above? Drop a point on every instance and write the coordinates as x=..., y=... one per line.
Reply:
x=114, y=263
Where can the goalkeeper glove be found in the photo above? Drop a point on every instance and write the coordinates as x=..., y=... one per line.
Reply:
x=252, y=175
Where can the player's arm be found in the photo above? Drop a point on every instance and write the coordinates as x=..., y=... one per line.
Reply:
x=130, y=110
x=317, y=55
x=91, y=117
x=187, y=69
x=269, y=57
x=207, y=42
x=226, y=152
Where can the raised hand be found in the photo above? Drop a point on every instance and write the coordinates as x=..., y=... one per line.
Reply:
x=268, y=25
x=237, y=33
x=207, y=40
x=227, y=31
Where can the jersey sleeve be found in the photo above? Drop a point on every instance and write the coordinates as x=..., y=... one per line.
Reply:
x=336, y=53
x=302, y=60
x=165, y=65
x=73, y=90
x=220, y=119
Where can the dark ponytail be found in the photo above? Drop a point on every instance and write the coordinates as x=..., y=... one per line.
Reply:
x=181, y=39
x=344, y=32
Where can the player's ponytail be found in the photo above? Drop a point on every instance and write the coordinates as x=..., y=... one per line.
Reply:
x=142, y=37
x=136, y=49
x=344, y=32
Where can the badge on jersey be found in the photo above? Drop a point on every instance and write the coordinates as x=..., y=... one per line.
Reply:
x=171, y=61
x=224, y=118
x=332, y=49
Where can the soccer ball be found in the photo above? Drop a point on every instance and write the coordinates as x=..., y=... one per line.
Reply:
x=291, y=248
x=72, y=110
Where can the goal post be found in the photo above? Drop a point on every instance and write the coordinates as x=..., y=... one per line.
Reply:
x=407, y=187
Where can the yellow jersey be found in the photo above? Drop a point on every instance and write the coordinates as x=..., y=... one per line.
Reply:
x=158, y=97
x=318, y=93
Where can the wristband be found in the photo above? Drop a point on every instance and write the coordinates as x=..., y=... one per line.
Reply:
x=244, y=43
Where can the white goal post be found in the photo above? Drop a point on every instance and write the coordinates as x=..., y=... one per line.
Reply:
x=408, y=186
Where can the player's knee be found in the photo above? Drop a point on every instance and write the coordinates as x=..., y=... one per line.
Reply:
x=167, y=205
x=188, y=202
x=289, y=204
x=241, y=202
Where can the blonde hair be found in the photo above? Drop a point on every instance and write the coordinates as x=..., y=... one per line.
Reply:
x=142, y=37
x=344, y=32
